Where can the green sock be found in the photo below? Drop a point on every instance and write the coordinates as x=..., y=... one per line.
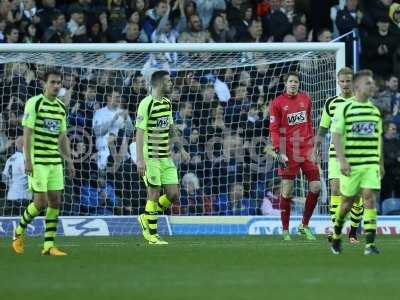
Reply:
x=51, y=227
x=163, y=204
x=340, y=219
x=29, y=214
x=151, y=216
x=356, y=213
x=334, y=205
x=370, y=225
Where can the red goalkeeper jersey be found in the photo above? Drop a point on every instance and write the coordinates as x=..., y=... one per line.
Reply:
x=291, y=124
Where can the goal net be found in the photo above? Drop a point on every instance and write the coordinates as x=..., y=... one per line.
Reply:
x=220, y=101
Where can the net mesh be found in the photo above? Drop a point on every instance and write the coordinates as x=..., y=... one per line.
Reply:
x=220, y=103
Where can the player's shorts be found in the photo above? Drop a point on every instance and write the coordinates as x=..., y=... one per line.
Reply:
x=360, y=178
x=309, y=168
x=160, y=172
x=46, y=178
x=333, y=169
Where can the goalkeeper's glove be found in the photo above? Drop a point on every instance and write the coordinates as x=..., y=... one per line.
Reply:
x=282, y=159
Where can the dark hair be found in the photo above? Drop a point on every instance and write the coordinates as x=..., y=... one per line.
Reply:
x=9, y=28
x=361, y=74
x=51, y=72
x=56, y=15
x=291, y=73
x=157, y=76
x=391, y=76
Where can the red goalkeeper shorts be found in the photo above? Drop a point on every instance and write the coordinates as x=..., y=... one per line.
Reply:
x=309, y=168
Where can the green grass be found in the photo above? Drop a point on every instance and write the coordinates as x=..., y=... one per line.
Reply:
x=249, y=267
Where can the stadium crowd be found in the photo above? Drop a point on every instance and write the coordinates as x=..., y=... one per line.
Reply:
x=221, y=116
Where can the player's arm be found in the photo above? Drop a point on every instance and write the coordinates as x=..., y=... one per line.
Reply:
x=381, y=161
x=28, y=122
x=323, y=129
x=337, y=130
x=175, y=138
x=141, y=126
x=274, y=130
x=65, y=146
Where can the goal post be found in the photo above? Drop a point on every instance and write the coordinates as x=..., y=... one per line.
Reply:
x=220, y=100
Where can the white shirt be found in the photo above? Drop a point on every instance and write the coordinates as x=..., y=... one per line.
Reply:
x=16, y=179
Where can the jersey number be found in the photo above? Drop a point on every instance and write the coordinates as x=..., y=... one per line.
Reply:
x=363, y=128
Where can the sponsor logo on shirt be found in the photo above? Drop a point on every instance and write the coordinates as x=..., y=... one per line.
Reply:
x=52, y=125
x=297, y=118
x=162, y=122
x=363, y=128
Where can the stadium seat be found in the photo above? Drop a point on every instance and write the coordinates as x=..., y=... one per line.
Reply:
x=391, y=206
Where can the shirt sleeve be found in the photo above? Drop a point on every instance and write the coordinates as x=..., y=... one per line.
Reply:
x=29, y=114
x=141, y=116
x=338, y=120
x=274, y=124
x=325, y=118
x=63, y=126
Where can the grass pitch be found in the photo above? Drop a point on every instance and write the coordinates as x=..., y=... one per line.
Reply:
x=237, y=267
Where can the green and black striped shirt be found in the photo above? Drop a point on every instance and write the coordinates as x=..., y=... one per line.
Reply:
x=47, y=118
x=360, y=125
x=154, y=116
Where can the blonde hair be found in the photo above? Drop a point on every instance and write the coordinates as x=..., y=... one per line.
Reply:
x=345, y=71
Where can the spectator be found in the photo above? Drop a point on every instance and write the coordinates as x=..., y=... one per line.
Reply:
x=76, y=27
x=3, y=25
x=183, y=118
x=270, y=203
x=254, y=33
x=167, y=35
x=235, y=203
x=375, y=10
x=12, y=34
x=117, y=15
x=192, y=197
x=29, y=12
x=388, y=100
x=132, y=34
x=234, y=12
x=56, y=33
x=324, y=35
x=292, y=14
x=207, y=8
x=394, y=14
x=46, y=14
x=31, y=35
x=156, y=18
x=219, y=29
x=139, y=6
x=195, y=32
x=18, y=196
x=107, y=122
x=378, y=47
x=349, y=17
x=276, y=23
x=300, y=32
x=391, y=151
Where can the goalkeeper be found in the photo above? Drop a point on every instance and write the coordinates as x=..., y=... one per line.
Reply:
x=44, y=132
x=345, y=78
x=154, y=129
x=292, y=138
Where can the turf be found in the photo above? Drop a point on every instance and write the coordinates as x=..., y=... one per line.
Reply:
x=249, y=267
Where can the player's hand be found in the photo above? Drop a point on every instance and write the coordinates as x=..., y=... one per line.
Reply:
x=283, y=160
x=29, y=168
x=141, y=167
x=345, y=168
x=71, y=169
x=316, y=156
x=185, y=156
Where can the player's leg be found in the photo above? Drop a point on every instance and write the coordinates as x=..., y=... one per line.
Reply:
x=370, y=184
x=170, y=182
x=38, y=185
x=311, y=171
x=148, y=220
x=335, y=197
x=349, y=189
x=356, y=214
x=55, y=189
x=285, y=203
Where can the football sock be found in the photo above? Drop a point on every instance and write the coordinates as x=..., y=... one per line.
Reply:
x=311, y=202
x=29, y=214
x=163, y=204
x=51, y=227
x=356, y=214
x=151, y=216
x=285, y=206
x=370, y=225
x=334, y=206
